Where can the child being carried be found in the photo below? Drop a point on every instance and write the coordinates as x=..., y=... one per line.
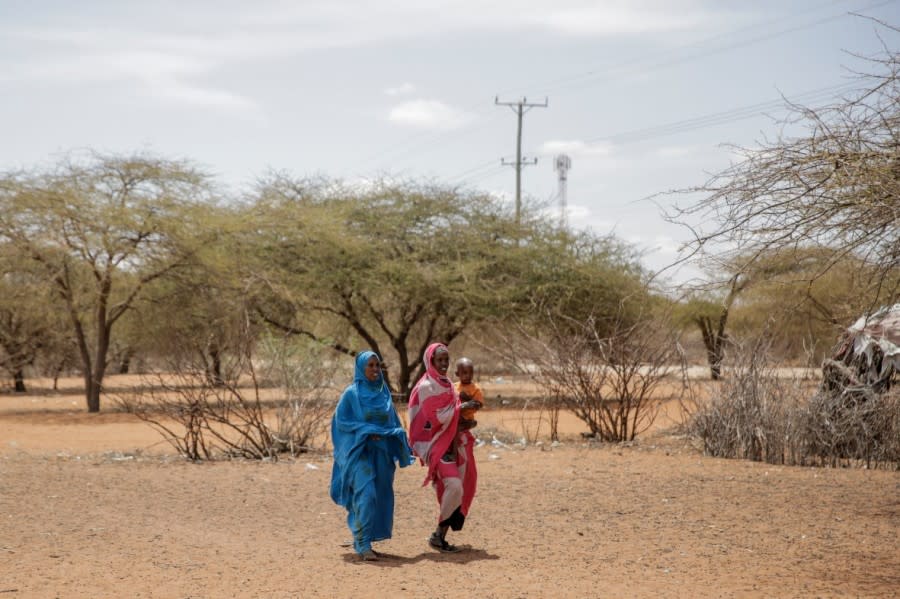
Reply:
x=470, y=394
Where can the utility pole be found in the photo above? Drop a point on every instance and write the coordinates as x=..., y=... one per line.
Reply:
x=520, y=107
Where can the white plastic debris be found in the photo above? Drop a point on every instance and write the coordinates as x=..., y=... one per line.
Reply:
x=498, y=443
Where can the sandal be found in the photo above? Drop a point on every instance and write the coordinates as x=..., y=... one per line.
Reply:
x=441, y=544
x=369, y=556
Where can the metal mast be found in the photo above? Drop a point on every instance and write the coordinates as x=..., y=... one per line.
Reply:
x=561, y=165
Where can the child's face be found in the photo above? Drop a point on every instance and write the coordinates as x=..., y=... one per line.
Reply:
x=441, y=361
x=465, y=372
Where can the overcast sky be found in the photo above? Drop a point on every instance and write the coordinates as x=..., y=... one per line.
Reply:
x=405, y=88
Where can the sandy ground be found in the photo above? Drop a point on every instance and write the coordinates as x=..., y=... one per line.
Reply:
x=91, y=506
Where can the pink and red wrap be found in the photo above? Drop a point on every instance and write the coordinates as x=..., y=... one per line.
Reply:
x=433, y=418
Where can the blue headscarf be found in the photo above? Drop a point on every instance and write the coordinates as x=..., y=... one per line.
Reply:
x=370, y=394
x=365, y=409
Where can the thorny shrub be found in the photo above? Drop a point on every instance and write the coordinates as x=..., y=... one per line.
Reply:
x=760, y=415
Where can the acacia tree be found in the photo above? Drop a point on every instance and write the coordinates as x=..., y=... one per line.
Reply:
x=100, y=230
x=195, y=317
x=833, y=187
x=194, y=320
x=26, y=319
x=395, y=267
x=392, y=267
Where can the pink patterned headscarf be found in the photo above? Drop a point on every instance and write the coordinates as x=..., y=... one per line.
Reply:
x=433, y=414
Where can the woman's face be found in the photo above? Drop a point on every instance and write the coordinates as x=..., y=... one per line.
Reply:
x=441, y=360
x=373, y=369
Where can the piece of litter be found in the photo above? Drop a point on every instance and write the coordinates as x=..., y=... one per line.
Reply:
x=311, y=466
x=494, y=456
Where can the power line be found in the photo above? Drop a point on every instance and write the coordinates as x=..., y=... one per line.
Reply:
x=720, y=118
x=469, y=172
x=683, y=125
x=427, y=139
x=486, y=175
x=590, y=76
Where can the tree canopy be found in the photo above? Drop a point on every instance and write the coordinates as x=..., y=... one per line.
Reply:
x=100, y=229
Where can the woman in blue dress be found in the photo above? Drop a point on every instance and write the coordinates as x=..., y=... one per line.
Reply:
x=368, y=442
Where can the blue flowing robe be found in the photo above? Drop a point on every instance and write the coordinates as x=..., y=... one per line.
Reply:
x=362, y=478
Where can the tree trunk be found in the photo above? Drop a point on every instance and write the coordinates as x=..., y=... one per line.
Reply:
x=715, y=362
x=95, y=384
x=93, y=394
x=214, y=369
x=125, y=362
x=19, y=379
x=714, y=344
x=85, y=355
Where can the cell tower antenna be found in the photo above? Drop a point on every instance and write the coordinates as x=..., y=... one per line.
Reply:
x=561, y=165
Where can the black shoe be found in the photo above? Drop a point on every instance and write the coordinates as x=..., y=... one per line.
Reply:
x=441, y=545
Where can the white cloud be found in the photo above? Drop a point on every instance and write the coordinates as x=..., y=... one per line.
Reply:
x=158, y=68
x=400, y=90
x=576, y=147
x=428, y=114
x=353, y=22
x=134, y=43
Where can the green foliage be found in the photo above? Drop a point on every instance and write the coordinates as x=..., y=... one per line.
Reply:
x=138, y=257
x=99, y=230
x=397, y=266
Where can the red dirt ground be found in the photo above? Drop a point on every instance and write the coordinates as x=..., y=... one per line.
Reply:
x=92, y=506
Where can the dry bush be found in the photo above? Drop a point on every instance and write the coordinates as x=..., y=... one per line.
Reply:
x=854, y=415
x=852, y=428
x=177, y=416
x=761, y=416
x=608, y=375
x=535, y=412
x=753, y=415
x=203, y=419
x=301, y=371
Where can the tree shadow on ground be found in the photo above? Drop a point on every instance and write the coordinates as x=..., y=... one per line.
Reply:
x=388, y=560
